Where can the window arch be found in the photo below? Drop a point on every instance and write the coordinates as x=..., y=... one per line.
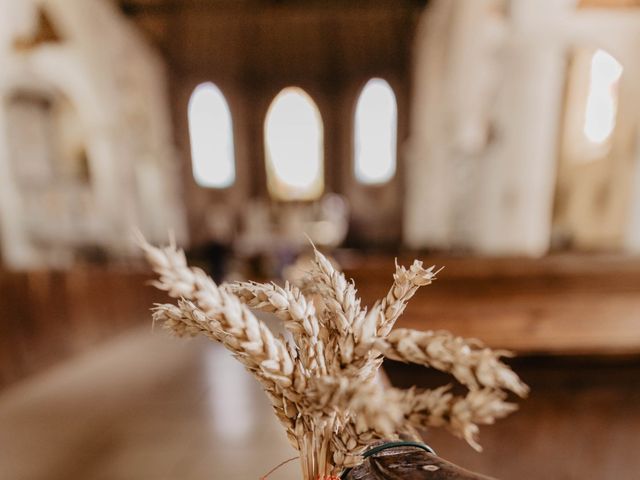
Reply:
x=602, y=99
x=375, y=135
x=211, y=135
x=294, y=146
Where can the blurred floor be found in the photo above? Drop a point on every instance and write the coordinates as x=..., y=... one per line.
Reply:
x=149, y=407
x=580, y=422
x=140, y=407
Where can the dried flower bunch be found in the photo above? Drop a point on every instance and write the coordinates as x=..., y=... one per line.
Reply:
x=321, y=378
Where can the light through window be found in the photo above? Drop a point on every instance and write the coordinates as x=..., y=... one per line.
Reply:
x=602, y=100
x=376, y=123
x=211, y=133
x=294, y=147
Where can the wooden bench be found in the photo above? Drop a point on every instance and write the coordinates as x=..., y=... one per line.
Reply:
x=561, y=305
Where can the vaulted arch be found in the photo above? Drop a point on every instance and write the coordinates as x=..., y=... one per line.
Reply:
x=294, y=146
x=375, y=133
x=211, y=134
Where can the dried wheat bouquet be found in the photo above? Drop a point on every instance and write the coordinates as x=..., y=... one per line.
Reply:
x=320, y=378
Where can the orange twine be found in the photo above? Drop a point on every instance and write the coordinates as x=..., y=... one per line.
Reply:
x=264, y=477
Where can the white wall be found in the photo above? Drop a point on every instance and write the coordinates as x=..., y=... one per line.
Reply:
x=488, y=99
x=117, y=85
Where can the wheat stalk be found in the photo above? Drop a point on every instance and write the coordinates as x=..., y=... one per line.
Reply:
x=291, y=306
x=381, y=413
x=352, y=330
x=339, y=296
x=460, y=415
x=468, y=361
x=204, y=308
x=320, y=383
x=406, y=283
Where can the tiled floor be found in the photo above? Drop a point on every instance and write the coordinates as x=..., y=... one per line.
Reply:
x=141, y=407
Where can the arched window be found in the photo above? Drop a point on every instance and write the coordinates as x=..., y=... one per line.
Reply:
x=211, y=133
x=602, y=99
x=376, y=124
x=294, y=147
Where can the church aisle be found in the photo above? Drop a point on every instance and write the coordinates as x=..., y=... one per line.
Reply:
x=140, y=407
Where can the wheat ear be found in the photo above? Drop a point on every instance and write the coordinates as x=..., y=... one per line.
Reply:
x=406, y=283
x=381, y=413
x=460, y=415
x=468, y=361
x=290, y=306
x=339, y=296
x=222, y=317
